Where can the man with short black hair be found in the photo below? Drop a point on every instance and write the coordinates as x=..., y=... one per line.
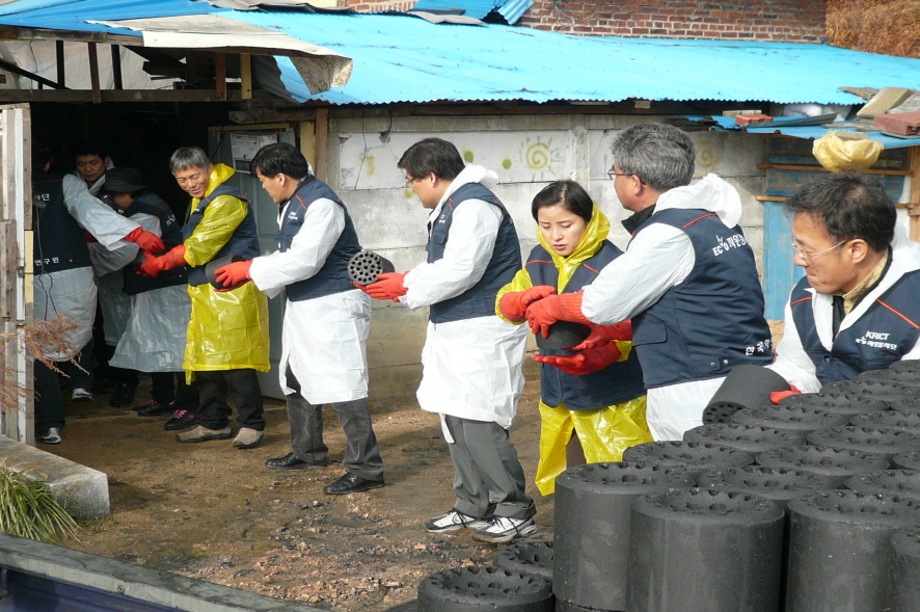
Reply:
x=858, y=306
x=471, y=360
x=326, y=319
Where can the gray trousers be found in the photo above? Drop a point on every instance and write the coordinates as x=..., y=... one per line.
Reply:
x=362, y=455
x=488, y=477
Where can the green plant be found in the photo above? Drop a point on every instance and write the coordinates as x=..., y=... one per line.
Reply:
x=28, y=510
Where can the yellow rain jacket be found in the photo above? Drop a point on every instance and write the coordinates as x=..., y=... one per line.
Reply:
x=605, y=433
x=227, y=330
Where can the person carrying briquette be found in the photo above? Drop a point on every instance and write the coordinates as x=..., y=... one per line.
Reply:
x=154, y=336
x=63, y=281
x=227, y=339
x=858, y=306
x=592, y=400
x=326, y=319
x=471, y=359
x=688, y=279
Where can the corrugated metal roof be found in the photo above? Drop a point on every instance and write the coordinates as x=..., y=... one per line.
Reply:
x=470, y=8
x=401, y=58
x=514, y=9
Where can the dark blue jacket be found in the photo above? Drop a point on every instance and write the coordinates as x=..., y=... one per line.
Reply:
x=149, y=203
x=478, y=300
x=617, y=383
x=332, y=277
x=244, y=242
x=713, y=321
x=59, y=240
x=887, y=331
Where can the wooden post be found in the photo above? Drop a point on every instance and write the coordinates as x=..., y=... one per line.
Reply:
x=116, y=67
x=322, y=142
x=94, y=72
x=245, y=76
x=59, y=57
x=220, y=76
x=913, y=202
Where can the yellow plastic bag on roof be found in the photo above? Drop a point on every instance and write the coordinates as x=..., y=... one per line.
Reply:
x=840, y=151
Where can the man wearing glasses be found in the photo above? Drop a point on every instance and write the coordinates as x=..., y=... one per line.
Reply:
x=858, y=306
x=687, y=279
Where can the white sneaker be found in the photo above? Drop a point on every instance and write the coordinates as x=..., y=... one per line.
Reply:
x=503, y=529
x=453, y=520
x=81, y=395
x=52, y=436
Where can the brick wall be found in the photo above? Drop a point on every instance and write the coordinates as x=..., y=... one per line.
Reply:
x=775, y=20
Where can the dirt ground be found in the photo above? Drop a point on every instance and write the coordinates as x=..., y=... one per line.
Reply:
x=213, y=512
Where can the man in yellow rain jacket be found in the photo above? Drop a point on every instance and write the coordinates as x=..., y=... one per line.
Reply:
x=227, y=341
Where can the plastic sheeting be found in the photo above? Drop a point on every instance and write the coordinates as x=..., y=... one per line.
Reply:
x=154, y=339
x=604, y=435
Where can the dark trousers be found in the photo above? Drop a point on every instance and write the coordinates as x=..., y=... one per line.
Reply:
x=49, y=406
x=488, y=477
x=362, y=455
x=79, y=375
x=242, y=387
x=168, y=387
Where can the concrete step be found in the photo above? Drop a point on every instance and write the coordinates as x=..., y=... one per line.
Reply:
x=83, y=491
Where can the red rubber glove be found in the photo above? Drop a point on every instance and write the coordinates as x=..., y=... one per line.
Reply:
x=585, y=362
x=149, y=243
x=389, y=286
x=513, y=305
x=778, y=396
x=564, y=307
x=603, y=334
x=233, y=275
x=173, y=258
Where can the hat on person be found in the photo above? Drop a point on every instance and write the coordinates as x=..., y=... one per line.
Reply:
x=123, y=180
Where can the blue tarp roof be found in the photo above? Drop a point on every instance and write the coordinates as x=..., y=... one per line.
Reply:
x=511, y=10
x=401, y=58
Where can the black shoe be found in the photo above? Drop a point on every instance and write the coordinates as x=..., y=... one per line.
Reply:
x=124, y=395
x=349, y=483
x=180, y=419
x=292, y=462
x=154, y=408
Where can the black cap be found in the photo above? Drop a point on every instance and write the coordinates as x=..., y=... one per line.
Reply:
x=123, y=180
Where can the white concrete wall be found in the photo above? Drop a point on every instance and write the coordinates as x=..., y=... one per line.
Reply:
x=527, y=152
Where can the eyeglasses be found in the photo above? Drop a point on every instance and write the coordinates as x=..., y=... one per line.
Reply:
x=613, y=174
x=410, y=180
x=810, y=257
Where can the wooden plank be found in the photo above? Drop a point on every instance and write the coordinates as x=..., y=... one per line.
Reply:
x=914, y=197
x=220, y=76
x=882, y=171
x=9, y=260
x=245, y=76
x=10, y=96
x=322, y=143
x=94, y=72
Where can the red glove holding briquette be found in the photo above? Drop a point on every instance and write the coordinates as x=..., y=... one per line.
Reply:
x=513, y=305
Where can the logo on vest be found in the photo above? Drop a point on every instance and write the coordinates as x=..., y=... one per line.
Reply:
x=877, y=340
x=764, y=346
x=292, y=215
x=727, y=244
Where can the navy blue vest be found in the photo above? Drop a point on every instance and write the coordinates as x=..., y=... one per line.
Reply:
x=887, y=331
x=617, y=383
x=59, y=243
x=149, y=203
x=333, y=276
x=243, y=242
x=713, y=321
x=478, y=300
